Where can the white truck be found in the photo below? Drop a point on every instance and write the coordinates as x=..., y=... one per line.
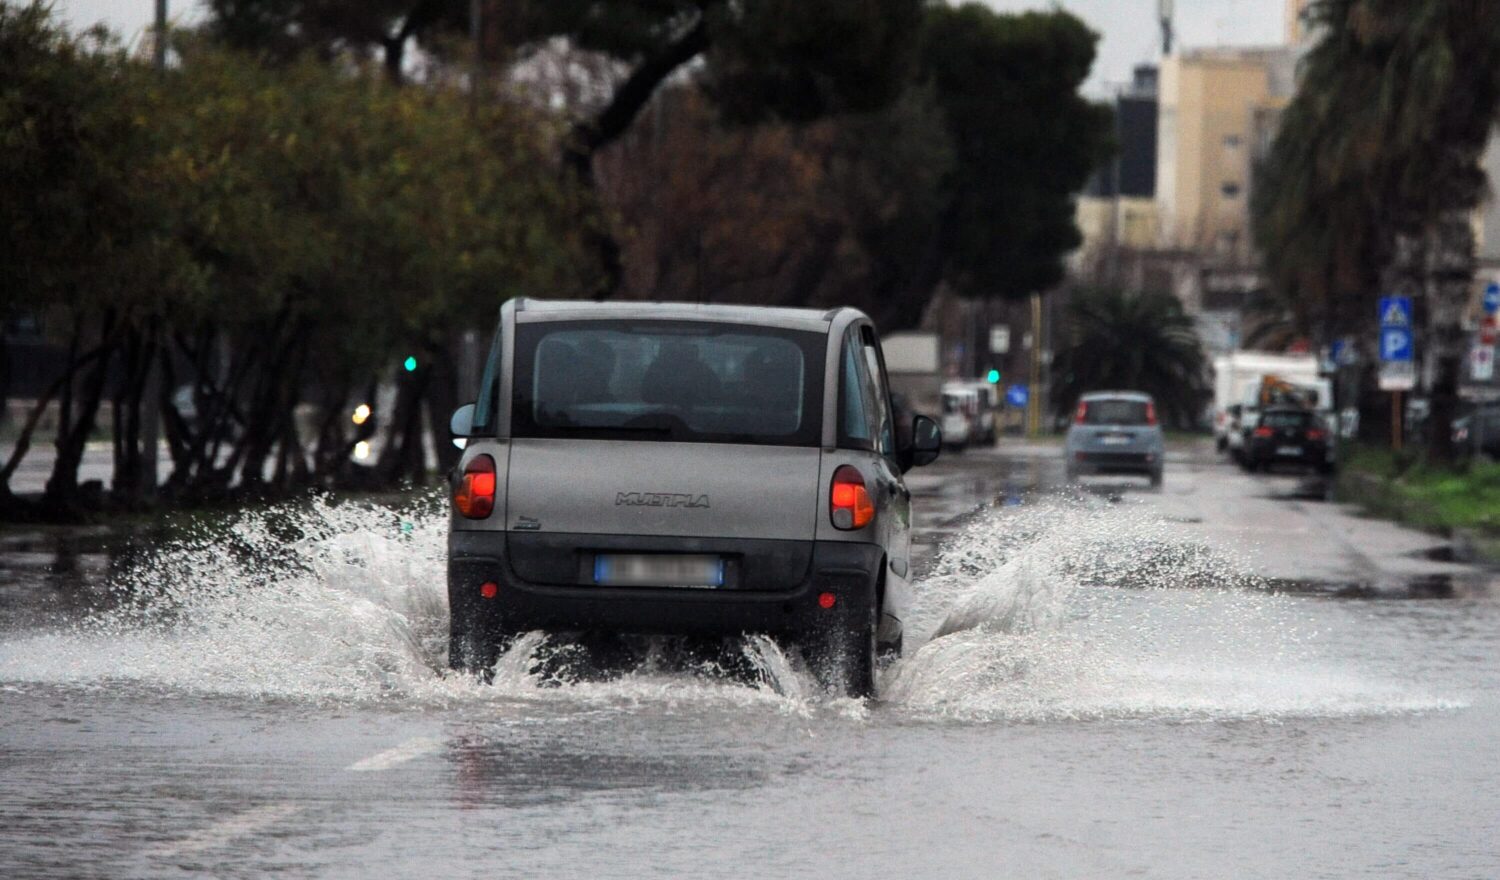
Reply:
x=1238, y=380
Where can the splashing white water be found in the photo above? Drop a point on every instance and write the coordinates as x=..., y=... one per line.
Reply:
x=1079, y=611
x=1057, y=611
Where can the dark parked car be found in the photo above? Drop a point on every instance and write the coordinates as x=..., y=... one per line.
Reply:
x=1479, y=430
x=1287, y=436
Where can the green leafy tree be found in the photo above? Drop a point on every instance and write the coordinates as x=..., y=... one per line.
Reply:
x=1025, y=142
x=1112, y=340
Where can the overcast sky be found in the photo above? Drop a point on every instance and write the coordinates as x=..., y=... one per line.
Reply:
x=1129, y=29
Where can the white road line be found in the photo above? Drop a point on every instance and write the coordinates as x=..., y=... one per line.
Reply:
x=397, y=755
x=226, y=829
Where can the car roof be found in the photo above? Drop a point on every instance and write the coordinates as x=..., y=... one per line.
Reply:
x=816, y=320
x=1119, y=395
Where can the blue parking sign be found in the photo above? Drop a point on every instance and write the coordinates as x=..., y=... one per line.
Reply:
x=1395, y=344
x=1017, y=395
x=1492, y=298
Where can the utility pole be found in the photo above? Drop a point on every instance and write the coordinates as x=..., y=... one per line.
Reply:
x=476, y=72
x=1164, y=11
x=1034, y=398
x=145, y=480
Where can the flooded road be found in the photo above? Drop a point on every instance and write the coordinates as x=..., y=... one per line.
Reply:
x=1230, y=678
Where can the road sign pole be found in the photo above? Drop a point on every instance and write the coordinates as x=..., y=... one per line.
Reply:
x=1396, y=432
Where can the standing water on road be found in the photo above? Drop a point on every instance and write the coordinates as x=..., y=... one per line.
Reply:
x=1059, y=611
x=1086, y=692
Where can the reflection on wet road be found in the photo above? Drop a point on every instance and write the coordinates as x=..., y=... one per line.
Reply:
x=1104, y=682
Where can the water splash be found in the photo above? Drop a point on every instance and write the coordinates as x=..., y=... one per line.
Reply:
x=1074, y=610
x=1057, y=611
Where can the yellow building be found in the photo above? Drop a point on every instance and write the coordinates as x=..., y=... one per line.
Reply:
x=1219, y=111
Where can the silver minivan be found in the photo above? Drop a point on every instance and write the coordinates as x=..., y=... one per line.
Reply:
x=662, y=468
x=1115, y=432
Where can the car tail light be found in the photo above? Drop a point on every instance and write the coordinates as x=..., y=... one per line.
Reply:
x=1263, y=432
x=827, y=600
x=1150, y=412
x=849, y=504
x=475, y=498
x=1082, y=414
x=1219, y=417
x=1315, y=434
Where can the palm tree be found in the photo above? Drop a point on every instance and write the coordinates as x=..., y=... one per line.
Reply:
x=1369, y=184
x=1113, y=340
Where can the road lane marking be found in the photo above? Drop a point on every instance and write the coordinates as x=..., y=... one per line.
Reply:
x=226, y=829
x=396, y=755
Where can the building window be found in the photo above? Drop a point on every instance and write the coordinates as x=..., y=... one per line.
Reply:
x=1230, y=190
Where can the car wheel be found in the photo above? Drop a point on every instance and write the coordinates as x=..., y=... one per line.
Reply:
x=474, y=650
x=1222, y=443
x=1156, y=479
x=845, y=656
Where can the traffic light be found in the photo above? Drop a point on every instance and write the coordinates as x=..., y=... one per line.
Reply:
x=410, y=363
x=992, y=377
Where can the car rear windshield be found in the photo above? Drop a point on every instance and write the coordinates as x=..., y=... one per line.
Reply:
x=1115, y=411
x=668, y=381
x=1286, y=419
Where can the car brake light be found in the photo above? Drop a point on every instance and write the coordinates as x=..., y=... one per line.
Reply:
x=475, y=498
x=849, y=505
x=1315, y=434
x=1263, y=432
x=1082, y=414
x=1150, y=412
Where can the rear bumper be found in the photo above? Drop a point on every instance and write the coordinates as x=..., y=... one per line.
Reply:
x=1310, y=454
x=1143, y=462
x=848, y=570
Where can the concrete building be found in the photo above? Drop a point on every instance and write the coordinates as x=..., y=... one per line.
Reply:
x=1118, y=206
x=1219, y=112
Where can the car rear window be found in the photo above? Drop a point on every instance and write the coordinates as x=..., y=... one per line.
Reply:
x=668, y=381
x=1115, y=411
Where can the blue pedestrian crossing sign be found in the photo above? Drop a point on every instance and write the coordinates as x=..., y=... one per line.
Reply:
x=1017, y=395
x=1492, y=298
x=1395, y=311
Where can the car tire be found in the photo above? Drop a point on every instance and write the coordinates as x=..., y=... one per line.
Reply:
x=1222, y=443
x=845, y=657
x=473, y=650
x=1156, y=479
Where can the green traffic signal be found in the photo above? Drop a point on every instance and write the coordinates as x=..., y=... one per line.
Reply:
x=993, y=377
x=410, y=363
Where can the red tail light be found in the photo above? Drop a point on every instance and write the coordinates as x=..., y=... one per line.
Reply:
x=1264, y=432
x=1150, y=412
x=849, y=504
x=1082, y=414
x=1315, y=434
x=475, y=498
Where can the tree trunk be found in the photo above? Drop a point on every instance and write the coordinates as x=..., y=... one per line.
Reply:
x=61, y=495
x=442, y=400
x=1451, y=265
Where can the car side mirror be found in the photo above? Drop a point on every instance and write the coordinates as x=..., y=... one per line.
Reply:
x=926, y=441
x=462, y=423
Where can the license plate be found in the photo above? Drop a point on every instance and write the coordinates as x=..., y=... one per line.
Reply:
x=658, y=570
x=1114, y=440
x=1289, y=450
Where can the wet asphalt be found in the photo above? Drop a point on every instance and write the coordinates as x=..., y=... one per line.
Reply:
x=1232, y=677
